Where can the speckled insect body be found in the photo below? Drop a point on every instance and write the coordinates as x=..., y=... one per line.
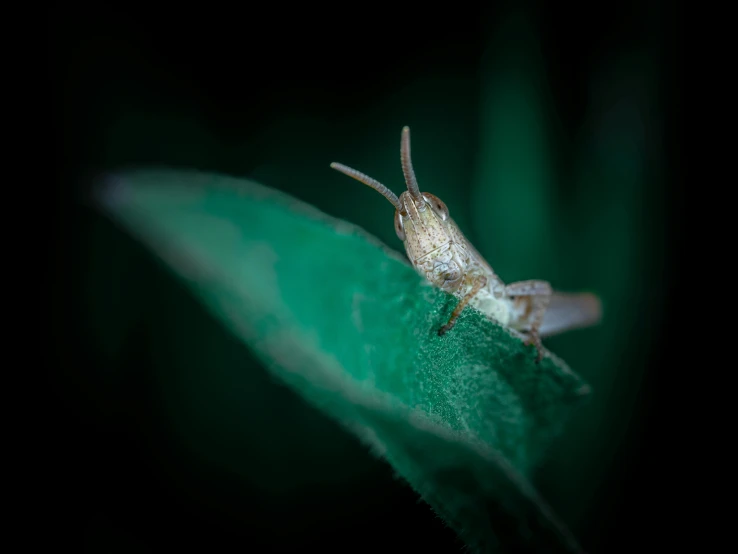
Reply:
x=440, y=252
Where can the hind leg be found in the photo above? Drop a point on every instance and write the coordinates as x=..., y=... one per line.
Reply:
x=539, y=293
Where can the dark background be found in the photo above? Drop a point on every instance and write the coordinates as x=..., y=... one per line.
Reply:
x=276, y=94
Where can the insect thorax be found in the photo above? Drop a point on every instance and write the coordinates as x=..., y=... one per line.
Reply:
x=453, y=261
x=446, y=264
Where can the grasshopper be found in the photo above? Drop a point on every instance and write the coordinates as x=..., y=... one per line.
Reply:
x=440, y=252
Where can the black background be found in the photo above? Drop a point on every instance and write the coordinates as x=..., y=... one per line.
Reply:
x=238, y=66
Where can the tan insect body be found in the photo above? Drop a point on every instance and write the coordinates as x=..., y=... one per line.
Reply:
x=440, y=252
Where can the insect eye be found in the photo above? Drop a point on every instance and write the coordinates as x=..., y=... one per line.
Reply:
x=437, y=205
x=399, y=229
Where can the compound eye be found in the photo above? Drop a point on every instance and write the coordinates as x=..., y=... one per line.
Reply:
x=399, y=229
x=436, y=205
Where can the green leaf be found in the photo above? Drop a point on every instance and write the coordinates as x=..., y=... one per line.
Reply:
x=351, y=327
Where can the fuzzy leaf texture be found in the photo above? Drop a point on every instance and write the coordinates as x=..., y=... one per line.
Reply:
x=351, y=327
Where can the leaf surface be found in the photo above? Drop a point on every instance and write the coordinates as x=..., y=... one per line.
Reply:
x=351, y=327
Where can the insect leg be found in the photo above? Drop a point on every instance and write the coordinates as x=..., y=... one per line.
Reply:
x=479, y=282
x=539, y=293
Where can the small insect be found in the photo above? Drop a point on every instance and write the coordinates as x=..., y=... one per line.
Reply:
x=440, y=252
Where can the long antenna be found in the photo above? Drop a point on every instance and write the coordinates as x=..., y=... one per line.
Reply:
x=407, y=164
x=376, y=185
